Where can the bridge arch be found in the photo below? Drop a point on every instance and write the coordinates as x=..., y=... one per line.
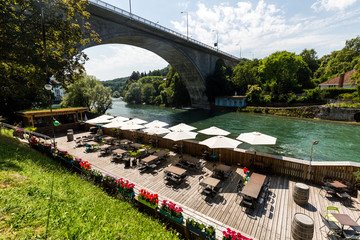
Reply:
x=193, y=61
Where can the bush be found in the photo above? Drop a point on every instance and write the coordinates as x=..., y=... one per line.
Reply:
x=335, y=92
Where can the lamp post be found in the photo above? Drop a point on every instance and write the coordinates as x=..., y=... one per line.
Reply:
x=217, y=39
x=312, y=146
x=187, y=24
x=130, y=6
x=49, y=88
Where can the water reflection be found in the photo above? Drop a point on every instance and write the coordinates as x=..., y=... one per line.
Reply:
x=338, y=142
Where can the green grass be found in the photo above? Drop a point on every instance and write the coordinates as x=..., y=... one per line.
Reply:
x=78, y=209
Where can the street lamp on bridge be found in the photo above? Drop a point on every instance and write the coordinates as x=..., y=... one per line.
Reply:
x=187, y=24
x=217, y=39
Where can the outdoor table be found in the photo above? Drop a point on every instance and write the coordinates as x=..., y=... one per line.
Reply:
x=213, y=182
x=175, y=170
x=222, y=167
x=149, y=159
x=119, y=151
x=254, y=185
x=136, y=145
x=191, y=159
x=345, y=219
x=161, y=153
x=108, y=138
x=337, y=184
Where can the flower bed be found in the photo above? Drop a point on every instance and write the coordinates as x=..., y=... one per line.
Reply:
x=148, y=199
x=232, y=235
x=109, y=183
x=125, y=187
x=170, y=210
x=201, y=229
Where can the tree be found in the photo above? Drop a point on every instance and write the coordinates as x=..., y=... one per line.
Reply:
x=133, y=95
x=245, y=73
x=218, y=84
x=147, y=93
x=24, y=66
x=281, y=72
x=88, y=92
x=254, y=93
x=134, y=76
x=116, y=94
x=311, y=59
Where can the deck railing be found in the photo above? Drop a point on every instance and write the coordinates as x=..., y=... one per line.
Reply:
x=136, y=18
x=273, y=164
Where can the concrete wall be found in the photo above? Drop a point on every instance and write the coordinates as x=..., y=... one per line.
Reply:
x=338, y=114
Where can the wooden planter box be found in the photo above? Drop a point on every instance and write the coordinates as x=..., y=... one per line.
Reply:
x=147, y=204
x=200, y=233
x=178, y=220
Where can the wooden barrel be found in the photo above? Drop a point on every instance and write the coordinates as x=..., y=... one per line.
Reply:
x=301, y=193
x=302, y=227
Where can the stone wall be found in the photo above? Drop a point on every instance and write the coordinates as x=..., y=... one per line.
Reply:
x=339, y=114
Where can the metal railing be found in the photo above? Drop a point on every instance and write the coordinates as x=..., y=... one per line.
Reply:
x=27, y=132
x=134, y=17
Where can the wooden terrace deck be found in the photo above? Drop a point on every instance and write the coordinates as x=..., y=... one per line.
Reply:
x=272, y=220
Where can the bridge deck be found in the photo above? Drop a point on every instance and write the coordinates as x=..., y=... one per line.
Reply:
x=270, y=221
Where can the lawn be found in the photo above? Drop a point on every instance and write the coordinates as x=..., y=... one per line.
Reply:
x=78, y=208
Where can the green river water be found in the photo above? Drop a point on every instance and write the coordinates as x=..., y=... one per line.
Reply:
x=337, y=141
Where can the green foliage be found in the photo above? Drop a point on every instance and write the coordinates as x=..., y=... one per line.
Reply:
x=254, y=94
x=116, y=94
x=78, y=209
x=88, y=92
x=219, y=84
x=24, y=67
x=311, y=59
x=147, y=93
x=284, y=72
x=335, y=92
x=245, y=73
x=133, y=95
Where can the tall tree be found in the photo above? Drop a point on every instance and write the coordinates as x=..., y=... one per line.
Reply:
x=88, y=92
x=133, y=94
x=311, y=58
x=245, y=73
x=281, y=72
x=26, y=62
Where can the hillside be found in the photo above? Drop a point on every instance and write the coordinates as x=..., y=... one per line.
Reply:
x=31, y=184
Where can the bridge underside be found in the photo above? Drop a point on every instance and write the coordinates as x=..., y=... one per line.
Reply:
x=193, y=62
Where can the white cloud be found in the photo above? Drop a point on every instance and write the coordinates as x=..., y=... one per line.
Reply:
x=262, y=28
x=329, y=5
x=113, y=61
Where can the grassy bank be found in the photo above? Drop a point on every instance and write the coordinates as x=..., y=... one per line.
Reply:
x=299, y=112
x=78, y=209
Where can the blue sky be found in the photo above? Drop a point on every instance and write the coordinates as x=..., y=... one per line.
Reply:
x=254, y=28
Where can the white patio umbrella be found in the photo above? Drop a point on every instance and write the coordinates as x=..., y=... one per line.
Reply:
x=137, y=121
x=180, y=135
x=156, y=131
x=131, y=126
x=257, y=138
x=156, y=123
x=116, y=122
x=214, y=131
x=101, y=119
x=220, y=142
x=182, y=127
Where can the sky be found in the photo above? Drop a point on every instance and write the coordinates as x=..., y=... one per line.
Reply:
x=252, y=29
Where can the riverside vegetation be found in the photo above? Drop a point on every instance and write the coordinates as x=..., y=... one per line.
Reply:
x=34, y=189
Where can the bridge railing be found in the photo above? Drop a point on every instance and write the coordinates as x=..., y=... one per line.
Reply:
x=134, y=17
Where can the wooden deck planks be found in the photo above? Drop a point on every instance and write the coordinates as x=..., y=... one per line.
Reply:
x=272, y=220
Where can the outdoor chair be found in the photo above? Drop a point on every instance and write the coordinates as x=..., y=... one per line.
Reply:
x=331, y=226
x=247, y=204
x=329, y=216
x=350, y=234
x=327, y=190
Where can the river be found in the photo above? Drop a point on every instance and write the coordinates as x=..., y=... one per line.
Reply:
x=337, y=141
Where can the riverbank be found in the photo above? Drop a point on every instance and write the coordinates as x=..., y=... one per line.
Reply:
x=349, y=115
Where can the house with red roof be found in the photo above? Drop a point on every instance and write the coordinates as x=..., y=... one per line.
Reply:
x=340, y=81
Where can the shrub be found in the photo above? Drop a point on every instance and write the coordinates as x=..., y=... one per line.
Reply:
x=171, y=208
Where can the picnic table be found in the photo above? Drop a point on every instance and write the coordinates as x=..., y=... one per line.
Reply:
x=176, y=170
x=222, y=167
x=161, y=153
x=337, y=184
x=254, y=185
x=210, y=181
x=149, y=159
x=119, y=151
